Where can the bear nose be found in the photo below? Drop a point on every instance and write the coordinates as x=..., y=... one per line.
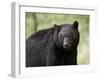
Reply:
x=65, y=45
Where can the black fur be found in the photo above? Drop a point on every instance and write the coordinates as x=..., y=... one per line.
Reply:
x=45, y=48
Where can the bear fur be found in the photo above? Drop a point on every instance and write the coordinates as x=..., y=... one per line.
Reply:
x=54, y=46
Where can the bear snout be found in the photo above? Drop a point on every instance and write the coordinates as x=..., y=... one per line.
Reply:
x=66, y=43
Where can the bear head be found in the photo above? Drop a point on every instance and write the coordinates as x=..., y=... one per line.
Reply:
x=67, y=35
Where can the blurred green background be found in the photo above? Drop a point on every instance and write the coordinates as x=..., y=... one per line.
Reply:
x=37, y=21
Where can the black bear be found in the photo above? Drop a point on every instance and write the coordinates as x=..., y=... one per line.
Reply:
x=54, y=46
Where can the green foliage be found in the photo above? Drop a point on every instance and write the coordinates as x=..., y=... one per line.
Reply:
x=46, y=20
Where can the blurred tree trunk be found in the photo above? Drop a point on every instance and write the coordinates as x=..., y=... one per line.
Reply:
x=35, y=22
x=31, y=23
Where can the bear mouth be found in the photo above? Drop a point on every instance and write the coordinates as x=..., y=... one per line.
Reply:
x=67, y=46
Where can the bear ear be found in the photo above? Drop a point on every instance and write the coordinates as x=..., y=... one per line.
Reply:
x=75, y=24
x=56, y=26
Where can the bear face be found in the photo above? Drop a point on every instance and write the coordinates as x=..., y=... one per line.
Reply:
x=68, y=36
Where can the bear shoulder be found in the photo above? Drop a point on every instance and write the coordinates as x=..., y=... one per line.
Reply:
x=42, y=34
